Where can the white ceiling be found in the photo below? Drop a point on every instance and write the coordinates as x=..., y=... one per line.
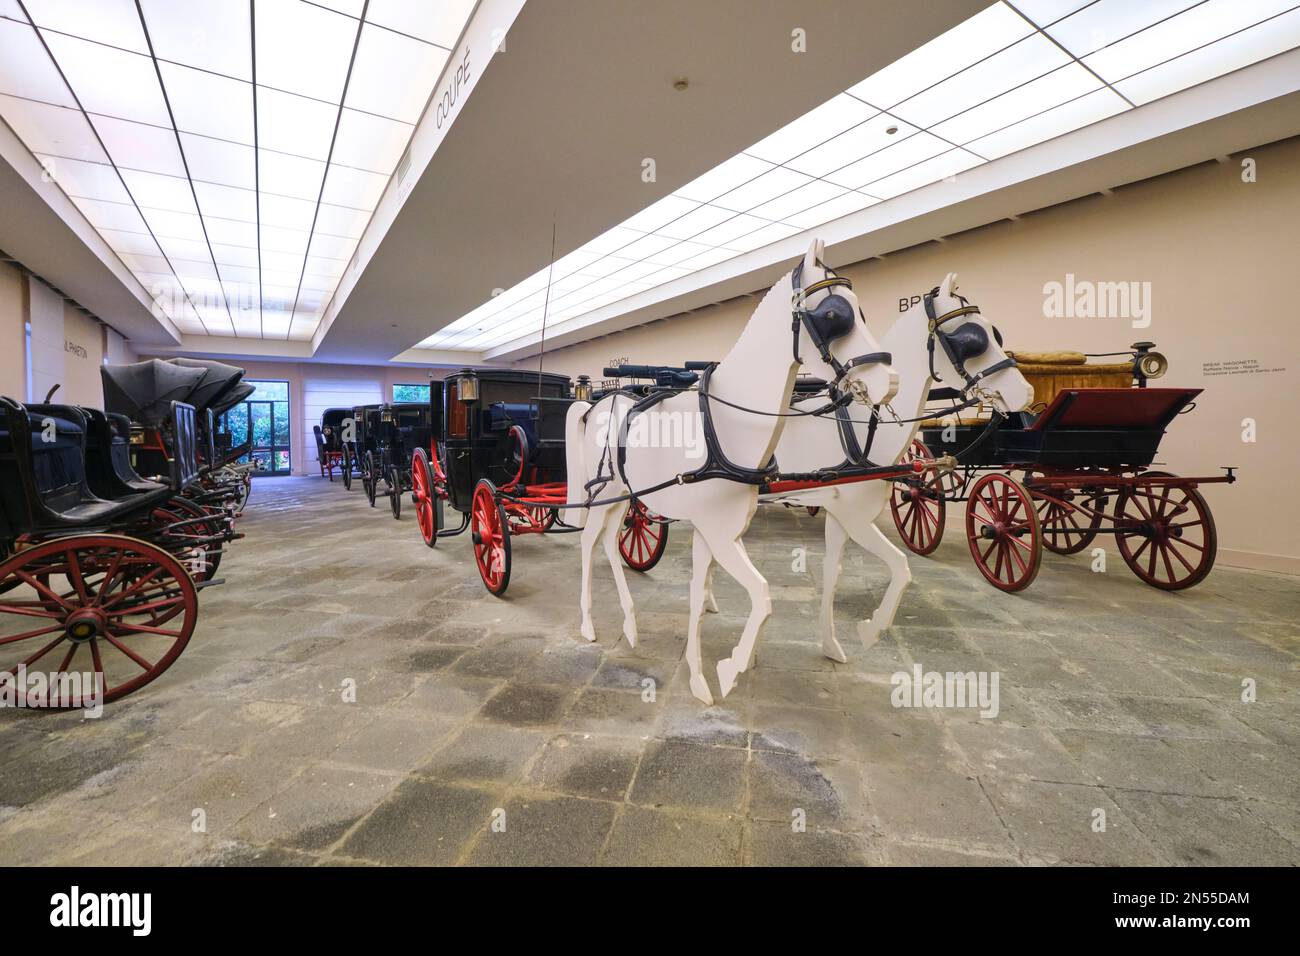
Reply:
x=1014, y=75
x=229, y=152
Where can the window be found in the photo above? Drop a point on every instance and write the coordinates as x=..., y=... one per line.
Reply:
x=262, y=422
x=410, y=393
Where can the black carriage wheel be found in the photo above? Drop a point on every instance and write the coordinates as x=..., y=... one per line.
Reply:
x=395, y=492
x=370, y=478
x=642, y=538
x=347, y=469
x=1171, y=541
x=490, y=532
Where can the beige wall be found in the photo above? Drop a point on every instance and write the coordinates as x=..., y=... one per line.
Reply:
x=67, y=347
x=1220, y=256
x=13, y=315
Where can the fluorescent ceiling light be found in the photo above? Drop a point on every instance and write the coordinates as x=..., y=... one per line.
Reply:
x=988, y=87
x=315, y=141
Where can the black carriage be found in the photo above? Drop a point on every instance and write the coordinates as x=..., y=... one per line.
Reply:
x=497, y=456
x=363, y=425
x=1088, y=444
x=398, y=429
x=330, y=448
x=99, y=566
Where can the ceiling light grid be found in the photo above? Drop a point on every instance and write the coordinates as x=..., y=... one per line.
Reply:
x=263, y=132
x=1016, y=74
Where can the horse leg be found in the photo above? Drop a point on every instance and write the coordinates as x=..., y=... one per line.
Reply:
x=613, y=522
x=710, y=602
x=590, y=531
x=835, y=538
x=873, y=540
x=701, y=568
x=730, y=553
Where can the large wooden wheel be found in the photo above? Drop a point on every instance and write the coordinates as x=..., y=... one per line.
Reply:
x=395, y=492
x=424, y=495
x=1002, y=531
x=642, y=538
x=346, y=467
x=1067, y=529
x=191, y=541
x=918, y=505
x=1166, y=534
x=89, y=610
x=370, y=478
x=490, y=532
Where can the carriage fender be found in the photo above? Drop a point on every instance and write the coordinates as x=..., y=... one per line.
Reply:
x=575, y=432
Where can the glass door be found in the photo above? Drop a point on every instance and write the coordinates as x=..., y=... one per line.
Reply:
x=262, y=421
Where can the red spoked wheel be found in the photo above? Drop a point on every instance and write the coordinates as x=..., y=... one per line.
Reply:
x=490, y=532
x=918, y=505
x=87, y=614
x=1066, y=527
x=1003, y=533
x=190, y=542
x=423, y=492
x=1166, y=534
x=540, y=516
x=642, y=537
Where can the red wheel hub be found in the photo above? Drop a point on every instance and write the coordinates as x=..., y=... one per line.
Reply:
x=85, y=623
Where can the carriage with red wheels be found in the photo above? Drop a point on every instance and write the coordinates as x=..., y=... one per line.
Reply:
x=497, y=457
x=1083, y=455
x=100, y=567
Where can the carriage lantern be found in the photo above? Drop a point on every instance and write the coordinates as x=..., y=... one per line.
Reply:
x=582, y=390
x=386, y=416
x=1147, y=363
x=468, y=389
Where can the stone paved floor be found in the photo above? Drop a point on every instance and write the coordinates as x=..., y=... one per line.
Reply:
x=472, y=711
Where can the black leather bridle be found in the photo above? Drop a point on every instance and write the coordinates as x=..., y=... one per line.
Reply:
x=831, y=319
x=969, y=341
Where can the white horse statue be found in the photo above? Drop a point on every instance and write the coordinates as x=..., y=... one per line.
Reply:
x=809, y=319
x=942, y=337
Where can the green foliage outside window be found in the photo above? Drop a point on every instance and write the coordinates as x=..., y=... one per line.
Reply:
x=410, y=393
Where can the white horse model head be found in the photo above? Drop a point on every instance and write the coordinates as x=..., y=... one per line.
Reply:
x=827, y=315
x=966, y=354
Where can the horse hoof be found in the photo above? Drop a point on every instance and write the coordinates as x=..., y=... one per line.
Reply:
x=832, y=649
x=700, y=688
x=629, y=632
x=727, y=674
x=588, y=632
x=710, y=603
x=868, y=633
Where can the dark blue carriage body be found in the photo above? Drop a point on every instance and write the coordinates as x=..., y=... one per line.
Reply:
x=1114, y=428
x=511, y=429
